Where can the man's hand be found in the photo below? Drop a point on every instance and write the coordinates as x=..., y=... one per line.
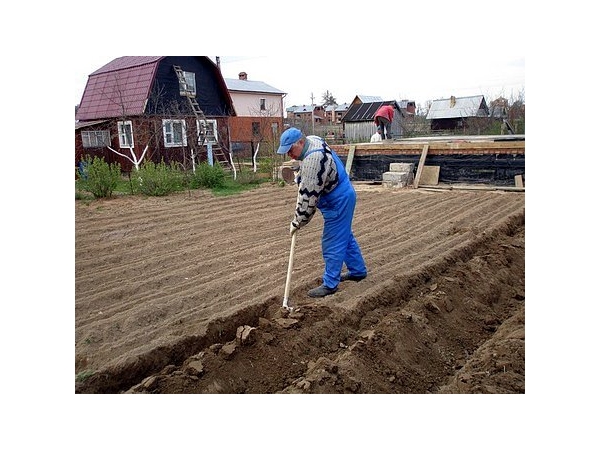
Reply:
x=293, y=227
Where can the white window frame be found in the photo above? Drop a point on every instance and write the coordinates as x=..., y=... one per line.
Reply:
x=190, y=84
x=125, y=128
x=263, y=104
x=211, y=123
x=169, y=134
x=95, y=138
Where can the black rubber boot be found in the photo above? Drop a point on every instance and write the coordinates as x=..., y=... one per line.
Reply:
x=346, y=276
x=321, y=291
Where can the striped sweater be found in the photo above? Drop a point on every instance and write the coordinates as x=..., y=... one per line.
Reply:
x=318, y=175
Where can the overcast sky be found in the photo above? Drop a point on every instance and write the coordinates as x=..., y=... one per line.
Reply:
x=420, y=51
x=418, y=78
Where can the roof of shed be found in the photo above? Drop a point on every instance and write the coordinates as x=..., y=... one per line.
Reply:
x=234, y=84
x=463, y=107
x=366, y=111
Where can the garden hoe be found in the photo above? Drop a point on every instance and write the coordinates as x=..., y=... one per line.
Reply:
x=289, y=273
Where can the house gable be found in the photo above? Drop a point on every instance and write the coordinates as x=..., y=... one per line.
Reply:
x=212, y=94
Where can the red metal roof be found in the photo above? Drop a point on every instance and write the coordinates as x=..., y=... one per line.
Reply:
x=120, y=88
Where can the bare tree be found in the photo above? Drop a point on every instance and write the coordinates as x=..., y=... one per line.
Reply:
x=328, y=99
x=126, y=126
x=507, y=112
x=516, y=111
x=266, y=132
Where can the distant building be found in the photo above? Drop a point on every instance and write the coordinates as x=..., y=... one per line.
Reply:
x=335, y=113
x=305, y=117
x=359, y=120
x=452, y=113
x=156, y=107
x=499, y=108
x=259, y=109
x=407, y=107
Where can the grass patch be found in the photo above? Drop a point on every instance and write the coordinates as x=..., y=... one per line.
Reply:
x=220, y=183
x=123, y=187
x=243, y=183
x=83, y=196
x=82, y=376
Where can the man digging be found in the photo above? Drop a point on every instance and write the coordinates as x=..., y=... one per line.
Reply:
x=323, y=184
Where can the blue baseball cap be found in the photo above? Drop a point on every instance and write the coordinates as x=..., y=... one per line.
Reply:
x=288, y=138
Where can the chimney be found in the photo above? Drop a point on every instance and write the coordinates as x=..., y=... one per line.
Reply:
x=452, y=101
x=243, y=76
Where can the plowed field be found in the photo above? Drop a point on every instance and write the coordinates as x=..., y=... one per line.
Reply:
x=183, y=294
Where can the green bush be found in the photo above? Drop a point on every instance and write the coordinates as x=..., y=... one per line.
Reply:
x=247, y=177
x=158, y=179
x=208, y=176
x=268, y=165
x=98, y=177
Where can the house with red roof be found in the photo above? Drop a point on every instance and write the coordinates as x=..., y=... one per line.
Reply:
x=159, y=108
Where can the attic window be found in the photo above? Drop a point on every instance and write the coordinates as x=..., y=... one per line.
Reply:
x=189, y=87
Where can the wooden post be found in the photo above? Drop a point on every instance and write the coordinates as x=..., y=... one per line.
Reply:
x=350, y=158
x=519, y=181
x=421, y=164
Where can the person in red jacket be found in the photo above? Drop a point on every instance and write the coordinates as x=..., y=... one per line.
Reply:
x=383, y=120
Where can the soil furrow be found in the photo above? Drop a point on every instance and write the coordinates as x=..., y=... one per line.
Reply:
x=159, y=279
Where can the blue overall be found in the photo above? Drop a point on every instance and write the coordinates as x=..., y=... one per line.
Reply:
x=338, y=243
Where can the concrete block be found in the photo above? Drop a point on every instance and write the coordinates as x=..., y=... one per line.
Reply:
x=397, y=179
x=402, y=167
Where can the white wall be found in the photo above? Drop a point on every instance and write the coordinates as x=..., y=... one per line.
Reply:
x=248, y=105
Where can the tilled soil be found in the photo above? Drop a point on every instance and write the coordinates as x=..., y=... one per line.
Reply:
x=183, y=294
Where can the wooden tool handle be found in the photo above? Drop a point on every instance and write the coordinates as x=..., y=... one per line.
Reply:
x=289, y=272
